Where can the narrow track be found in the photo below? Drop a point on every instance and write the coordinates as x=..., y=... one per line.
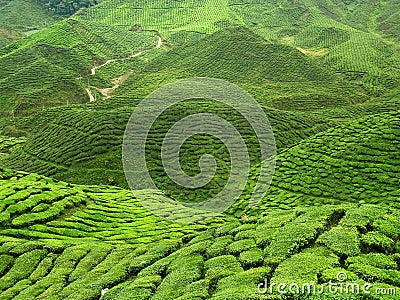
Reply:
x=106, y=92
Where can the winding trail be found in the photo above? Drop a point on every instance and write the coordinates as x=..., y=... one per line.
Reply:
x=106, y=92
x=91, y=97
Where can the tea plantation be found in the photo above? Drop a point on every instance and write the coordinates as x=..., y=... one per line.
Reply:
x=21, y=18
x=48, y=68
x=61, y=241
x=326, y=75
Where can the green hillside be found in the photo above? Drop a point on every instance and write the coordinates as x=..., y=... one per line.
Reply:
x=300, y=97
x=380, y=17
x=20, y=18
x=264, y=69
x=45, y=69
x=355, y=162
x=89, y=151
x=326, y=75
x=359, y=55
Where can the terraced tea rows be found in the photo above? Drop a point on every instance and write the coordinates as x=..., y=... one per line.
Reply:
x=35, y=207
x=47, y=68
x=7, y=144
x=358, y=55
x=276, y=75
x=356, y=162
x=305, y=245
x=82, y=144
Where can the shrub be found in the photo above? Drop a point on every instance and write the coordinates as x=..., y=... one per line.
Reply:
x=251, y=258
x=377, y=241
x=197, y=290
x=389, y=225
x=175, y=283
x=305, y=266
x=6, y=261
x=362, y=216
x=43, y=268
x=342, y=240
x=371, y=274
x=373, y=259
x=239, y=246
x=242, y=285
x=221, y=266
x=219, y=246
x=23, y=266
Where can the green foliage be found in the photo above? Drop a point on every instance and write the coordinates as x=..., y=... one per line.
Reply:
x=66, y=8
x=342, y=240
x=305, y=266
x=376, y=240
x=344, y=164
x=51, y=64
x=241, y=285
x=219, y=246
x=176, y=270
x=22, y=268
x=37, y=208
x=251, y=258
x=237, y=247
x=220, y=267
x=378, y=260
x=326, y=75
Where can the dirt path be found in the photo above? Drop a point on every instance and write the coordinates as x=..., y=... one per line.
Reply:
x=159, y=44
x=93, y=70
x=91, y=97
x=106, y=92
x=117, y=82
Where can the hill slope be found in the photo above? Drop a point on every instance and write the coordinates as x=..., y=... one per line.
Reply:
x=45, y=69
x=277, y=75
x=20, y=18
x=355, y=162
x=358, y=55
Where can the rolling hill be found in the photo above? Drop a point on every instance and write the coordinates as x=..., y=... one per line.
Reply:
x=355, y=162
x=359, y=55
x=75, y=257
x=47, y=68
x=92, y=135
x=326, y=75
x=21, y=18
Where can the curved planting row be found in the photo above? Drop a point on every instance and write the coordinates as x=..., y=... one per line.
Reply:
x=233, y=261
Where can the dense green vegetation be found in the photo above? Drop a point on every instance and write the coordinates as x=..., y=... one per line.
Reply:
x=48, y=68
x=359, y=55
x=355, y=162
x=226, y=262
x=20, y=18
x=263, y=69
x=326, y=74
x=66, y=8
x=36, y=207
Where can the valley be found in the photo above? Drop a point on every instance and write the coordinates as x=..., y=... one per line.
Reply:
x=326, y=75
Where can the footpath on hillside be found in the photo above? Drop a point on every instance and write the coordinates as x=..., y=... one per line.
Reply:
x=106, y=92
